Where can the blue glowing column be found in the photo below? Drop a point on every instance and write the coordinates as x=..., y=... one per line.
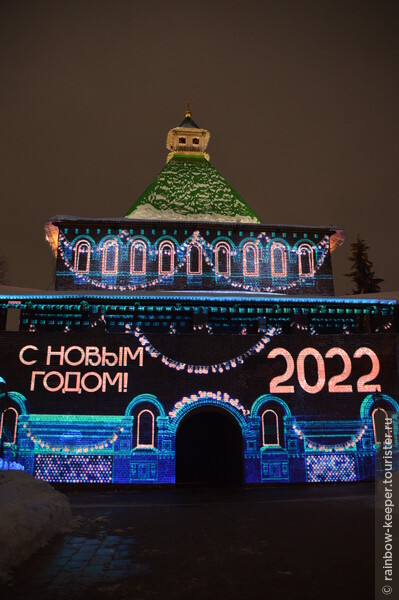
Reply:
x=122, y=452
x=252, y=443
x=366, y=453
x=296, y=452
x=166, y=449
x=25, y=446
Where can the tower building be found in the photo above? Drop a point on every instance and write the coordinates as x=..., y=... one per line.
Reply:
x=188, y=342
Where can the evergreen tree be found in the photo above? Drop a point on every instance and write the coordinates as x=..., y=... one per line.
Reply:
x=362, y=273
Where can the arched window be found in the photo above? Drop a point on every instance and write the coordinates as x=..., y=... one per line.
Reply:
x=250, y=259
x=378, y=416
x=82, y=257
x=8, y=425
x=270, y=429
x=306, y=260
x=138, y=258
x=279, y=260
x=222, y=258
x=145, y=429
x=110, y=257
x=194, y=259
x=166, y=258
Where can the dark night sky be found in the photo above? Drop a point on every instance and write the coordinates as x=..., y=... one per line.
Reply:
x=301, y=99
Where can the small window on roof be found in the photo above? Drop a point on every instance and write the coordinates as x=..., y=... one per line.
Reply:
x=196, y=141
x=182, y=140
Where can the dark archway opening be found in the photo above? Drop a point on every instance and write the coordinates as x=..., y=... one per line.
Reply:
x=209, y=449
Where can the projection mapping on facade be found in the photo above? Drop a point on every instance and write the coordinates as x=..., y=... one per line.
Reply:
x=190, y=343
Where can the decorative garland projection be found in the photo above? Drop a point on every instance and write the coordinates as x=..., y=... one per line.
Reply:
x=195, y=239
x=70, y=447
x=221, y=397
x=330, y=448
x=385, y=327
x=205, y=369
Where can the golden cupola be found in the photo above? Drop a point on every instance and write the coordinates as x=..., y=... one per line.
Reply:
x=188, y=138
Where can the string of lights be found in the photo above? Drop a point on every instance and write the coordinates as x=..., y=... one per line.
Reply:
x=71, y=448
x=333, y=447
x=218, y=396
x=195, y=239
x=205, y=369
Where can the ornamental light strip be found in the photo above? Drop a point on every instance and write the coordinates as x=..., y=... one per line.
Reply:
x=193, y=240
x=221, y=397
x=70, y=447
x=205, y=369
x=330, y=448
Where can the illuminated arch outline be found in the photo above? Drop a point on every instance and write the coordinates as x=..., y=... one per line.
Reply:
x=203, y=402
x=19, y=399
x=136, y=246
x=222, y=246
x=269, y=410
x=371, y=399
x=138, y=445
x=106, y=248
x=163, y=248
x=250, y=247
x=281, y=250
x=144, y=398
x=306, y=250
x=82, y=248
x=269, y=398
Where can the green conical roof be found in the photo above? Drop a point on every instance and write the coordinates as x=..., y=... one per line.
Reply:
x=189, y=188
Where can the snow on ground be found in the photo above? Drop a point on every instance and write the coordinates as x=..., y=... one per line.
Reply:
x=31, y=513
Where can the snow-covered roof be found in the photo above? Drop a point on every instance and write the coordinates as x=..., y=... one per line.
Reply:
x=189, y=188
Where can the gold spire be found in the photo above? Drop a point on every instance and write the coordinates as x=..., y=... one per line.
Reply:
x=188, y=110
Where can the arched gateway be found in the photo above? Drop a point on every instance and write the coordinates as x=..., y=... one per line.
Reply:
x=209, y=448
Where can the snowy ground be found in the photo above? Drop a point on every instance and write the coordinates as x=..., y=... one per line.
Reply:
x=31, y=513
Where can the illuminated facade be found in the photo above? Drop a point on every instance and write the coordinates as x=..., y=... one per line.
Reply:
x=189, y=343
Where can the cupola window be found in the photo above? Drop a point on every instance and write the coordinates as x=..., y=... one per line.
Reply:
x=251, y=260
x=222, y=259
x=82, y=257
x=138, y=258
x=278, y=260
x=194, y=260
x=166, y=258
x=182, y=140
x=306, y=260
x=110, y=257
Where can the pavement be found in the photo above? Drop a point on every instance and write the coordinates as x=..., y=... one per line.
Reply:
x=298, y=542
